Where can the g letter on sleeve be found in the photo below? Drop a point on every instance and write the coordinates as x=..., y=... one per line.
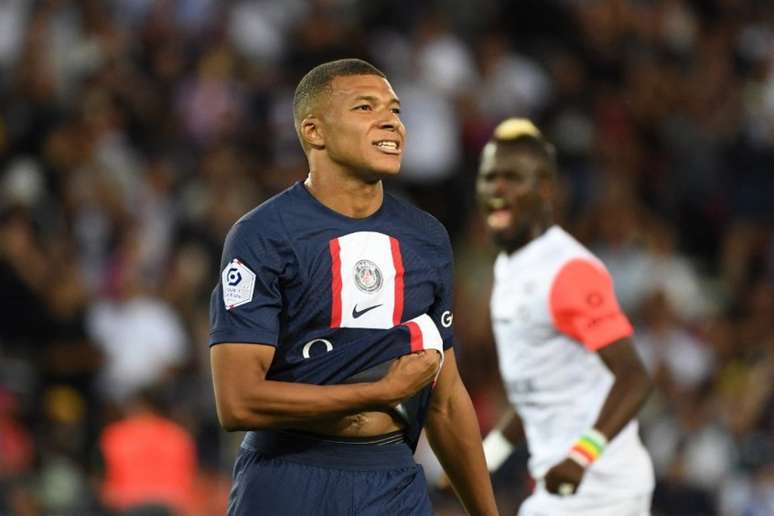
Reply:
x=584, y=307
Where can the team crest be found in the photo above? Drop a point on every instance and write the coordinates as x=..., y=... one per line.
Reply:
x=368, y=277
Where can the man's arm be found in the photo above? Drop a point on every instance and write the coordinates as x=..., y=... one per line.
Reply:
x=629, y=391
x=245, y=400
x=511, y=427
x=454, y=435
x=504, y=437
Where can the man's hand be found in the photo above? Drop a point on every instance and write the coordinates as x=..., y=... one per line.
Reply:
x=564, y=478
x=408, y=374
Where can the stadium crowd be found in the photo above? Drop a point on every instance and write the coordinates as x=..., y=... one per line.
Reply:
x=133, y=133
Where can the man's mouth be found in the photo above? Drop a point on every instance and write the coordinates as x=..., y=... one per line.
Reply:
x=500, y=215
x=388, y=146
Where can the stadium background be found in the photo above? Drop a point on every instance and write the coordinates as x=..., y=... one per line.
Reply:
x=134, y=132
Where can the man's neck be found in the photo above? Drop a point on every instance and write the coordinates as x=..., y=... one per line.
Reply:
x=347, y=195
x=527, y=235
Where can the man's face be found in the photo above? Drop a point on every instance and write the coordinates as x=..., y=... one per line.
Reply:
x=362, y=127
x=509, y=193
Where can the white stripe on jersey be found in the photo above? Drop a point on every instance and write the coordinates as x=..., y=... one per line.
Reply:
x=368, y=274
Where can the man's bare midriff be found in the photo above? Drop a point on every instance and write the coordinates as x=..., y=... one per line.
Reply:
x=363, y=424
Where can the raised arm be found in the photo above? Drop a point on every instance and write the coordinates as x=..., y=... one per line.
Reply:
x=454, y=435
x=245, y=400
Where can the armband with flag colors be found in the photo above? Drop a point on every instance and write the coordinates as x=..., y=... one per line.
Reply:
x=588, y=448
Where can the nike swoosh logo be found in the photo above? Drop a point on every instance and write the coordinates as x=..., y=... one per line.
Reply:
x=357, y=313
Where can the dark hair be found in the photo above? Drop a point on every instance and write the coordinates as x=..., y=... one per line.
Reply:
x=318, y=81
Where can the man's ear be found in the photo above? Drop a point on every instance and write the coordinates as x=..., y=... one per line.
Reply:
x=312, y=132
x=547, y=189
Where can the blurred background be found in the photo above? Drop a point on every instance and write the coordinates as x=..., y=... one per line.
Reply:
x=133, y=133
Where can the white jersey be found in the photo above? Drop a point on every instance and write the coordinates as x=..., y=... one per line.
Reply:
x=552, y=307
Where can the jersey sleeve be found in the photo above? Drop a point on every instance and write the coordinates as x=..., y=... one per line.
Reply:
x=583, y=305
x=441, y=312
x=246, y=303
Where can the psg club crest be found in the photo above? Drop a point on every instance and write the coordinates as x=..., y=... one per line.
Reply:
x=368, y=277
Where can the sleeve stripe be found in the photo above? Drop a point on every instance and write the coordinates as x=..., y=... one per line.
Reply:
x=428, y=336
x=425, y=335
x=416, y=342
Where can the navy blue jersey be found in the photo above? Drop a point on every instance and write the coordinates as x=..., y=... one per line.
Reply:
x=334, y=295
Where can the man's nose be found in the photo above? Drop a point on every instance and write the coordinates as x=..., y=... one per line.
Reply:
x=390, y=122
x=499, y=186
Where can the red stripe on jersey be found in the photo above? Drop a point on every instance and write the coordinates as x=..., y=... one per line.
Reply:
x=417, y=343
x=335, y=283
x=397, y=260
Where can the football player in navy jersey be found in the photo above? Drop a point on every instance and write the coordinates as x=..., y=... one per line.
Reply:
x=331, y=326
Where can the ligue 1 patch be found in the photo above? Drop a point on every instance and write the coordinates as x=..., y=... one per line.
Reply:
x=238, y=283
x=368, y=277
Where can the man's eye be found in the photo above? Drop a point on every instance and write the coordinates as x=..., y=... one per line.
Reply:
x=396, y=111
x=363, y=107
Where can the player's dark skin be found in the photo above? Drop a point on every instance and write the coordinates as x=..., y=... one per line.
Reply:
x=353, y=138
x=345, y=167
x=515, y=191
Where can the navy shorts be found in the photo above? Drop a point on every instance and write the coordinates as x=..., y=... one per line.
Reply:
x=290, y=473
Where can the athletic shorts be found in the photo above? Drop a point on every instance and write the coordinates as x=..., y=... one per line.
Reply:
x=281, y=473
x=543, y=503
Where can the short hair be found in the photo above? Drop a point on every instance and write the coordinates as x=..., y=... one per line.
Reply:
x=318, y=81
x=522, y=134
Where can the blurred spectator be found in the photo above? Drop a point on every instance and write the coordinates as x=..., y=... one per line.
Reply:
x=165, y=479
x=140, y=335
x=64, y=486
x=16, y=445
x=510, y=83
x=680, y=360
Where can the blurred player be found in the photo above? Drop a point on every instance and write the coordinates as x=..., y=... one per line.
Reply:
x=564, y=347
x=331, y=321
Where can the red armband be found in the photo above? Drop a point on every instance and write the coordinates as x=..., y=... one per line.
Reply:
x=584, y=306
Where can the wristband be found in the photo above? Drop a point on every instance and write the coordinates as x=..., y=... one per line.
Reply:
x=496, y=449
x=588, y=448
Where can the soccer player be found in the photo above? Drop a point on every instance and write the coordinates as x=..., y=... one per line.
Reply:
x=331, y=326
x=564, y=347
